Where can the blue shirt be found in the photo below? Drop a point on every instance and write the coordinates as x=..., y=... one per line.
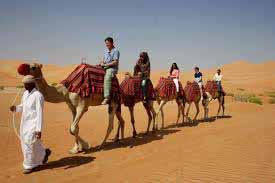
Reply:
x=198, y=75
x=110, y=56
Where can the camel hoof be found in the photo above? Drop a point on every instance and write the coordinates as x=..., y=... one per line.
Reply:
x=134, y=134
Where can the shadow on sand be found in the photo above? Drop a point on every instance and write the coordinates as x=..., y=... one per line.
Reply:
x=132, y=142
x=67, y=162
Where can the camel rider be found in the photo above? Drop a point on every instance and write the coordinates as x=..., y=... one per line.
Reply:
x=110, y=63
x=198, y=78
x=142, y=69
x=31, y=126
x=218, y=78
x=175, y=74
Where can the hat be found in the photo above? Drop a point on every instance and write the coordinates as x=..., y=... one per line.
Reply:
x=23, y=69
x=28, y=79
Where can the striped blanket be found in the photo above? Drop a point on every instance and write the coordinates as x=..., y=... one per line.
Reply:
x=87, y=80
x=192, y=91
x=212, y=88
x=132, y=93
x=167, y=88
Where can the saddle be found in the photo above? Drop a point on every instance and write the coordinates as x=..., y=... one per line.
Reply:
x=166, y=88
x=212, y=88
x=192, y=91
x=87, y=80
x=132, y=92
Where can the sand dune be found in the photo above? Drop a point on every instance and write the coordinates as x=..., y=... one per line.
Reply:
x=237, y=148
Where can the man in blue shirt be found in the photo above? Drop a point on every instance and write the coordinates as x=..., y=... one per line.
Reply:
x=198, y=78
x=110, y=63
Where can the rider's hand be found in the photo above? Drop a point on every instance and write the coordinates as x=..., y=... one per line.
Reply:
x=13, y=108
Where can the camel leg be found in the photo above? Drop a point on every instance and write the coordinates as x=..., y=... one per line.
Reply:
x=223, y=108
x=160, y=109
x=197, y=110
x=179, y=110
x=182, y=111
x=74, y=130
x=131, y=109
x=206, y=110
x=111, y=111
x=187, y=113
x=121, y=126
x=148, y=110
x=219, y=109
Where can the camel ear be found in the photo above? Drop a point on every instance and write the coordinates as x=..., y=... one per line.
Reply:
x=40, y=66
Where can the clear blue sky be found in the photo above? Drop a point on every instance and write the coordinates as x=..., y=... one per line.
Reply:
x=206, y=33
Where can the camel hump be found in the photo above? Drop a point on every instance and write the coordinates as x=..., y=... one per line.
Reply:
x=192, y=91
x=87, y=80
x=166, y=88
x=132, y=93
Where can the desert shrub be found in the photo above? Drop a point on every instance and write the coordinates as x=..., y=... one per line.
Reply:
x=54, y=84
x=254, y=99
x=272, y=101
x=271, y=94
x=2, y=87
x=19, y=86
x=230, y=94
x=240, y=89
x=251, y=98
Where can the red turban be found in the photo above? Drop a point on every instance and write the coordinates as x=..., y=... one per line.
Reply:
x=23, y=69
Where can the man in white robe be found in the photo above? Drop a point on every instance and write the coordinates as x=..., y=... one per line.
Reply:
x=31, y=125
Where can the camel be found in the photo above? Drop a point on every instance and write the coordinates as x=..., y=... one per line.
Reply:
x=181, y=107
x=207, y=98
x=148, y=105
x=77, y=105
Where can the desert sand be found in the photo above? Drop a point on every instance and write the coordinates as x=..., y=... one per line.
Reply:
x=239, y=147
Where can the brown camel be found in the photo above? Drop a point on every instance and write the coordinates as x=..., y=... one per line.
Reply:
x=180, y=100
x=77, y=105
x=207, y=98
x=148, y=105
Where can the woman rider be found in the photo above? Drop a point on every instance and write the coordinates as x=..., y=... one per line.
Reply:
x=142, y=69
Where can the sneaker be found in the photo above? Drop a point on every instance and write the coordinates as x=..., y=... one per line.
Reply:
x=105, y=101
x=47, y=154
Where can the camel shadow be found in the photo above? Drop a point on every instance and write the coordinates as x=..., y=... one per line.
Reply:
x=197, y=122
x=131, y=142
x=67, y=162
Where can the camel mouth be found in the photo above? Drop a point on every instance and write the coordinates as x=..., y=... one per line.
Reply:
x=24, y=69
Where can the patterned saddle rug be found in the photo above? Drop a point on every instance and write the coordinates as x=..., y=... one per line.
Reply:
x=212, y=88
x=87, y=80
x=167, y=88
x=192, y=91
x=132, y=92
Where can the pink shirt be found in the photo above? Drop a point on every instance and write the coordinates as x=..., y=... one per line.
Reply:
x=175, y=74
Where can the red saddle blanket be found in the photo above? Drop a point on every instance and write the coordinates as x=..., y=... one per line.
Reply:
x=167, y=88
x=87, y=80
x=212, y=88
x=192, y=91
x=132, y=92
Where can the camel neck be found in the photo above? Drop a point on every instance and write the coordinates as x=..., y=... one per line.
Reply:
x=52, y=94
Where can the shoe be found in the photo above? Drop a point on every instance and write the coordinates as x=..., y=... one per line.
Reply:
x=47, y=154
x=105, y=101
x=27, y=171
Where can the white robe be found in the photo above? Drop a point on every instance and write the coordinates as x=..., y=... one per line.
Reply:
x=31, y=121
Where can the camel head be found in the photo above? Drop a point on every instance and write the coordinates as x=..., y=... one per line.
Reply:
x=35, y=70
